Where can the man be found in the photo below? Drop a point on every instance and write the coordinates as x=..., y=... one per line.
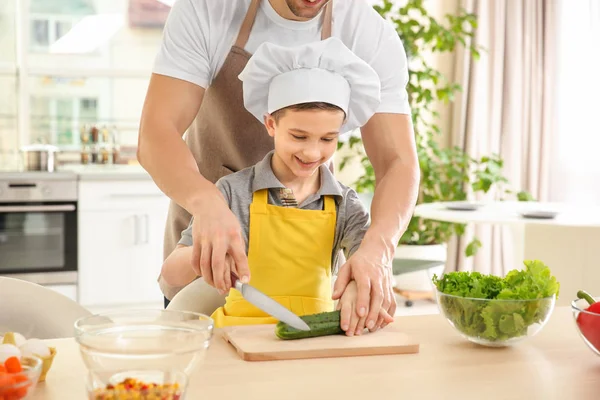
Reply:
x=195, y=87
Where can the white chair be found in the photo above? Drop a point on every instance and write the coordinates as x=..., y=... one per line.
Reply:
x=36, y=311
x=198, y=297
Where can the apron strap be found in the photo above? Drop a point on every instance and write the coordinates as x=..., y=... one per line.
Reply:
x=326, y=30
x=329, y=204
x=246, y=27
x=260, y=199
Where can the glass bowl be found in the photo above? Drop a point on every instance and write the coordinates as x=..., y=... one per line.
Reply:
x=151, y=346
x=21, y=385
x=495, y=323
x=587, y=323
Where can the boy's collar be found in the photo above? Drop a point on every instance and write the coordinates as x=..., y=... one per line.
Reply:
x=264, y=178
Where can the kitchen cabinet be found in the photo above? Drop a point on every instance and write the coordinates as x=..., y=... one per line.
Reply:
x=121, y=227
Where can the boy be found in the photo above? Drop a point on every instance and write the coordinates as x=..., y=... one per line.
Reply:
x=295, y=216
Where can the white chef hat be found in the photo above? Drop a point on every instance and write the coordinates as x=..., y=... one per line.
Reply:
x=323, y=71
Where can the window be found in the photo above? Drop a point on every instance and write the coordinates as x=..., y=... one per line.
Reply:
x=7, y=32
x=80, y=62
x=575, y=169
x=46, y=31
x=59, y=120
x=39, y=33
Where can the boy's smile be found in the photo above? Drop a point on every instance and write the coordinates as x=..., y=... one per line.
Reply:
x=304, y=140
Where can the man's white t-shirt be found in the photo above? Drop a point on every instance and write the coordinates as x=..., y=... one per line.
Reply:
x=199, y=34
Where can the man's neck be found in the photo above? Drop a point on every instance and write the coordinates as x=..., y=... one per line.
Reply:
x=281, y=8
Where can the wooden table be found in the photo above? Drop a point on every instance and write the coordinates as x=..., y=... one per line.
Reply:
x=555, y=364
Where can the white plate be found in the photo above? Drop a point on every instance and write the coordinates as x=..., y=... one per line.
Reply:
x=539, y=214
x=463, y=206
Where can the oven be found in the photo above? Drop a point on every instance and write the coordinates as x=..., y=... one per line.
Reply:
x=38, y=228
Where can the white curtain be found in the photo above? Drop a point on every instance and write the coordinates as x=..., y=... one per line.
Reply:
x=575, y=165
x=507, y=107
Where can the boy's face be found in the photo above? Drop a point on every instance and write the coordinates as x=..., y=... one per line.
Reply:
x=305, y=139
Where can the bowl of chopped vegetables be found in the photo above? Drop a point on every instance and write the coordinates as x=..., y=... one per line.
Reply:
x=586, y=311
x=139, y=385
x=494, y=311
x=19, y=377
x=142, y=353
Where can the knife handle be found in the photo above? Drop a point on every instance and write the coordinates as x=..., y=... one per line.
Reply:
x=236, y=282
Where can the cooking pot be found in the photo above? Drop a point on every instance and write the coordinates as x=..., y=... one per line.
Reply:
x=39, y=157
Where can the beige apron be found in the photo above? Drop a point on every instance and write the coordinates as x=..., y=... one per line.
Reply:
x=224, y=137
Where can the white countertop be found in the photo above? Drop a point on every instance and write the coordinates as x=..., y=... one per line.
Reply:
x=107, y=172
x=508, y=212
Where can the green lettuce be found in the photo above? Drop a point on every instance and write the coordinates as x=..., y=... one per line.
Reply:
x=493, y=316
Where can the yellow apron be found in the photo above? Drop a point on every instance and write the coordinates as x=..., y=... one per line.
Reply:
x=289, y=256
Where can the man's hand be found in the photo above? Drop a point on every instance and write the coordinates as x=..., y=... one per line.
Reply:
x=375, y=301
x=390, y=145
x=217, y=236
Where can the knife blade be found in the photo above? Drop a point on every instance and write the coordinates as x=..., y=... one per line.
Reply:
x=268, y=305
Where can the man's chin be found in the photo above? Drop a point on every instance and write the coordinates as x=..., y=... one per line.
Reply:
x=301, y=12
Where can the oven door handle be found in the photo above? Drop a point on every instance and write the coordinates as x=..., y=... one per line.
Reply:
x=136, y=230
x=18, y=209
x=141, y=234
x=146, y=227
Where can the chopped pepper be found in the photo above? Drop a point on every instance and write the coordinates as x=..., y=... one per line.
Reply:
x=133, y=389
x=590, y=324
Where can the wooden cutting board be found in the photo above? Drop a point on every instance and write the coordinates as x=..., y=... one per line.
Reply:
x=259, y=343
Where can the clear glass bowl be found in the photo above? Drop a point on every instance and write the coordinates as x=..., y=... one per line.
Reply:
x=152, y=346
x=21, y=385
x=495, y=323
x=587, y=323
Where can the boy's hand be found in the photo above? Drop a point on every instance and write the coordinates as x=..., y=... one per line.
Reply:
x=217, y=235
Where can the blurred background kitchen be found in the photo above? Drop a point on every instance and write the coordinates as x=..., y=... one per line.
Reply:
x=83, y=68
x=73, y=75
x=78, y=214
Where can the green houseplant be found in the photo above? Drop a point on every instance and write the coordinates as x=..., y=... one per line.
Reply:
x=447, y=174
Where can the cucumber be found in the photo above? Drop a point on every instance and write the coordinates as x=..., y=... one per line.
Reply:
x=321, y=324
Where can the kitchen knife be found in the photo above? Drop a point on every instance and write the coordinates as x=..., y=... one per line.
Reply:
x=268, y=305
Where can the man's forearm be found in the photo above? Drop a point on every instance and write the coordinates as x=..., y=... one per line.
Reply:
x=170, y=107
x=390, y=145
x=172, y=166
x=392, y=207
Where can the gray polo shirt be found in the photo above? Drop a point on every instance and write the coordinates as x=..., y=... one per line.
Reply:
x=237, y=188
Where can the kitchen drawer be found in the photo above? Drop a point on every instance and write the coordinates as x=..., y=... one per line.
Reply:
x=120, y=195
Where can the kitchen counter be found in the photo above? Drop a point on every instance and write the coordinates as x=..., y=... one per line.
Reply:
x=555, y=364
x=116, y=172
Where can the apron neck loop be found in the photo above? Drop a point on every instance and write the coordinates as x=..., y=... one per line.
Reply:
x=261, y=197
x=326, y=30
x=246, y=27
x=329, y=204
